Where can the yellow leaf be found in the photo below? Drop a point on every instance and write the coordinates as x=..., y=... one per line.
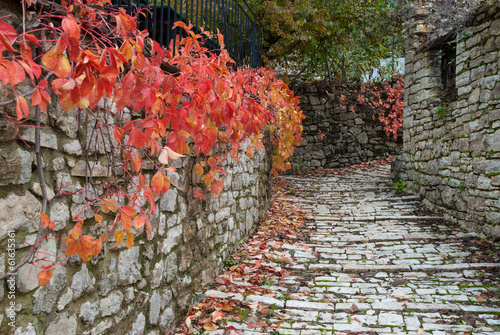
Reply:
x=119, y=237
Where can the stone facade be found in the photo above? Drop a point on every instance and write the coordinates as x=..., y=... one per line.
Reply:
x=333, y=135
x=142, y=290
x=451, y=152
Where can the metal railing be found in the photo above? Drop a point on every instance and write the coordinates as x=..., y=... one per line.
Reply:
x=242, y=34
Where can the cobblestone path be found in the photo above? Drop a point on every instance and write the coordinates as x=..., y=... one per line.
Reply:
x=376, y=263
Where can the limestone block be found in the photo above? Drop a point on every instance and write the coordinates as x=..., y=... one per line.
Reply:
x=82, y=282
x=107, y=284
x=19, y=213
x=15, y=166
x=129, y=266
x=139, y=325
x=173, y=238
x=48, y=138
x=63, y=324
x=168, y=201
x=154, y=308
x=88, y=312
x=46, y=296
x=111, y=304
x=73, y=148
x=83, y=169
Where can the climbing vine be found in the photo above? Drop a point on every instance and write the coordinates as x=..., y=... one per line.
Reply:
x=385, y=99
x=88, y=56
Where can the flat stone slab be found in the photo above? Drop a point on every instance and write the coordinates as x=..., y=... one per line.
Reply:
x=372, y=267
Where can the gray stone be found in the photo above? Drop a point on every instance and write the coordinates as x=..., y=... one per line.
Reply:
x=48, y=138
x=173, y=238
x=138, y=326
x=19, y=213
x=29, y=330
x=168, y=201
x=82, y=282
x=83, y=169
x=107, y=284
x=362, y=138
x=129, y=267
x=111, y=304
x=37, y=190
x=65, y=299
x=46, y=296
x=88, y=312
x=59, y=213
x=157, y=275
x=15, y=166
x=73, y=148
x=166, y=320
x=154, y=308
x=63, y=324
x=474, y=96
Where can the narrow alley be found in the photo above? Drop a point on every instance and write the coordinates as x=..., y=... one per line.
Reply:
x=366, y=261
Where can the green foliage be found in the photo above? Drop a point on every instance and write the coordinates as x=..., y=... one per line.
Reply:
x=400, y=186
x=228, y=262
x=349, y=35
x=461, y=187
x=441, y=111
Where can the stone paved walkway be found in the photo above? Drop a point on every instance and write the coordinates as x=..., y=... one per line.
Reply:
x=375, y=266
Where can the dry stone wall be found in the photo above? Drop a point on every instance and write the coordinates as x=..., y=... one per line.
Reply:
x=333, y=135
x=451, y=152
x=142, y=290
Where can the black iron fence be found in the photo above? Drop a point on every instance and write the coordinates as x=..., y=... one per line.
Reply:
x=242, y=34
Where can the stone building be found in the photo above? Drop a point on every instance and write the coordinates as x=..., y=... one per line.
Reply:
x=451, y=153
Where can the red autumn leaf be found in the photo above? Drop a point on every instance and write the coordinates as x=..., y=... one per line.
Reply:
x=70, y=27
x=137, y=138
x=22, y=109
x=45, y=275
x=7, y=36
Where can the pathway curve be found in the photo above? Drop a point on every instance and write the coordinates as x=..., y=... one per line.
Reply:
x=374, y=263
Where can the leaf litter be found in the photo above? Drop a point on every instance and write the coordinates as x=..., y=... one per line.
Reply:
x=261, y=262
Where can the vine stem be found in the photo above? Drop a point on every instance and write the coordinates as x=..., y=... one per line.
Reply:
x=29, y=257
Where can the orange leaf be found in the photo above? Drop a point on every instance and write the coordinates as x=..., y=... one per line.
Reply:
x=139, y=221
x=209, y=326
x=157, y=182
x=130, y=239
x=198, y=169
x=119, y=237
x=109, y=205
x=479, y=298
x=98, y=218
x=44, y=277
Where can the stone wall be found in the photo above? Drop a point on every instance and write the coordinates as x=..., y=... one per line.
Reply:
x=333, y=135
x=451, y=152
x=141, y=290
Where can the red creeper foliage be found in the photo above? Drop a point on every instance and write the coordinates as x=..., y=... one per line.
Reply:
x=207, y=107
